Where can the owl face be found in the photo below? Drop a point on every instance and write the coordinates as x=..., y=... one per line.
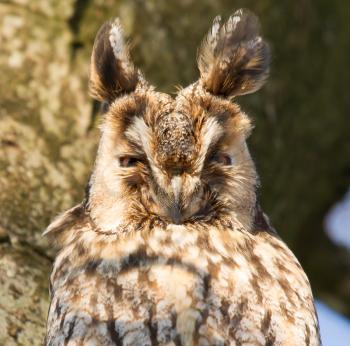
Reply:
x=176, y=159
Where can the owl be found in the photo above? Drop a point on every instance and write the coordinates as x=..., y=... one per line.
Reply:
x=170, y=246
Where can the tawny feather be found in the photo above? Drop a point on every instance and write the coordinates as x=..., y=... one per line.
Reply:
x=234, y=59
x=112, y=72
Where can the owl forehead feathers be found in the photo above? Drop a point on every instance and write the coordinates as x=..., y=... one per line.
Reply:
x=176, y=133
x=233, y=60
x=175, y=139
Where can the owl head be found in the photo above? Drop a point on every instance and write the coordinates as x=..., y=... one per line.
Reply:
x=179, y=159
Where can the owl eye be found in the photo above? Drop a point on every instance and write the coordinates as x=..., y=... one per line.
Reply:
x=223, y=159
x=128, y=161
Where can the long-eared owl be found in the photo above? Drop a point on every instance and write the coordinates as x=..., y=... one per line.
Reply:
x=170, y=246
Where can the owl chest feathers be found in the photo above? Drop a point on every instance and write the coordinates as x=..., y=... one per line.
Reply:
x=192, y=284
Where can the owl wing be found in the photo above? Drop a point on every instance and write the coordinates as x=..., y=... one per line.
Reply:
x=262, y=222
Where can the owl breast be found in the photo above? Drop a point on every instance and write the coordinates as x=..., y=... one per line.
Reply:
x=182, y=285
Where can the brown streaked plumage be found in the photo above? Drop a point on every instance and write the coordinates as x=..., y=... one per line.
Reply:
x=170, y=246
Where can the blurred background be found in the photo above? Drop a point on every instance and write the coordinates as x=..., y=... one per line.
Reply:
x=48, y=132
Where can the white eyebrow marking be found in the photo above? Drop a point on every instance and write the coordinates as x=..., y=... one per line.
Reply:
x=211, y=132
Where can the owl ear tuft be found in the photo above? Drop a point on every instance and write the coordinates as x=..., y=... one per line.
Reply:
x=111, y=73
x=233, y=59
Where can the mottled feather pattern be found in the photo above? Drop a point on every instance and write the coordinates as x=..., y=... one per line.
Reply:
x=146, y=287
x=170, y=245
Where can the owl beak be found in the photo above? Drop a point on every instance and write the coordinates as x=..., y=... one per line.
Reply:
x=175, y=214
x=184, y=198
x=175, y=209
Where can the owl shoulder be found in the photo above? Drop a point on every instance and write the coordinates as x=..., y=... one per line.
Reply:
x=65, y=225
